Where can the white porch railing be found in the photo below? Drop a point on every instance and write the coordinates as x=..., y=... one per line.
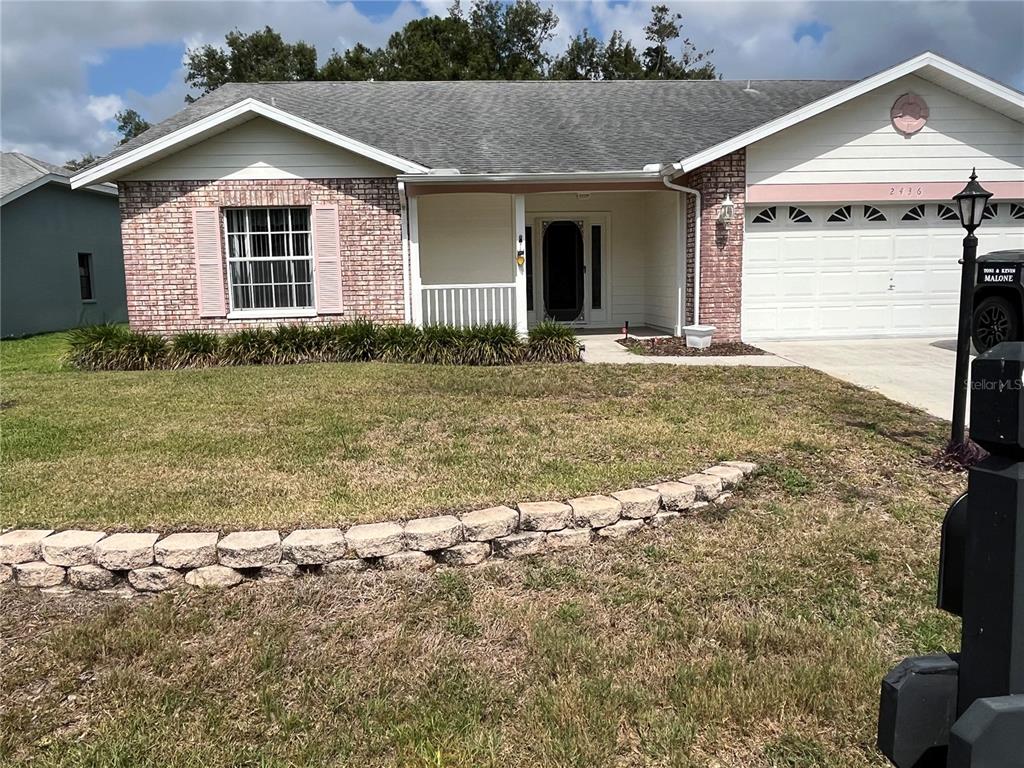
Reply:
x=468, y=305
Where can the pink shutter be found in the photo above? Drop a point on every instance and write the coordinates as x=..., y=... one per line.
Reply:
x=327, y=252
x=209, y=263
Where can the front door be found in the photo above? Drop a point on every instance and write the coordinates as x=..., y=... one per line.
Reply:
x=564, y=271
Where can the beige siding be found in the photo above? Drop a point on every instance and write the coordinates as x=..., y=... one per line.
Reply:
x=261, y=149
x=855, y=143
x=466, y=238
x=663, y=237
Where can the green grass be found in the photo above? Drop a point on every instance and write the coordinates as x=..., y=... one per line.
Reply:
x=322, y=443
x=754, y=634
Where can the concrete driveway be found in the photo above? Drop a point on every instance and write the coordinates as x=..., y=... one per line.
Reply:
x=918, y=372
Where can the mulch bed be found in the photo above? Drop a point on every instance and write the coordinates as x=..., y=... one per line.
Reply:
x=671, y=345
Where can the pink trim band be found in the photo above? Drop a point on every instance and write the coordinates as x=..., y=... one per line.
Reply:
x=875, y=192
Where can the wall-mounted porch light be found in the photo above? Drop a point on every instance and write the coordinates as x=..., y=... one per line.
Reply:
x=727, y=209
x=520, y=252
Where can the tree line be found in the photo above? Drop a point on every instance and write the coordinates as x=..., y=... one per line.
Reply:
x=493, y=40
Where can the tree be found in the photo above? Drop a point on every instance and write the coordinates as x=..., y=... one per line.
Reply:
x=621, y=60
x=130, y=124
x=357, y=63
x=584, y=59
x=431, y=48
x=258, y=56
x=76, y=165
x=509, y=39
x=659, y=63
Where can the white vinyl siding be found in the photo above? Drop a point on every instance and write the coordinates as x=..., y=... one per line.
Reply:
x=662, y=253
x=260, y=149
x=466, y=238
x=855, y=143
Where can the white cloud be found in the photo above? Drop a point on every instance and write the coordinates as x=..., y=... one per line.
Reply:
x=103, y=108
x=46, y=47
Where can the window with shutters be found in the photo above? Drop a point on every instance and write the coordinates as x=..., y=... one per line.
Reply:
x=270, y=258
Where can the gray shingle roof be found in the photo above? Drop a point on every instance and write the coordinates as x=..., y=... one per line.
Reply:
x=17, y=170
x=524, y=127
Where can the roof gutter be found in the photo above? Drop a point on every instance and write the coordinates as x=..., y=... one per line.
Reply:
x=665, y=178
x=454, y=177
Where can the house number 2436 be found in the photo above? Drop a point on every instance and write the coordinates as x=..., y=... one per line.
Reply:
x=906, y=191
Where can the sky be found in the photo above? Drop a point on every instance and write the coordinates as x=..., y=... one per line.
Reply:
x=67, y=67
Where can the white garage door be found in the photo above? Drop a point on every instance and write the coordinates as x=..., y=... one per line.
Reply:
x=860, y=270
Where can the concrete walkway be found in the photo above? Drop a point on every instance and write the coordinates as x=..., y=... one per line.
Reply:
x=917, y=372
x=605, y=348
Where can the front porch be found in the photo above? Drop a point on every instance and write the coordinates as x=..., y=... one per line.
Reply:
x=590, y=258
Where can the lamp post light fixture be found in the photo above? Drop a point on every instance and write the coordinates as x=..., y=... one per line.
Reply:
x=726, y=211
x=971, y=202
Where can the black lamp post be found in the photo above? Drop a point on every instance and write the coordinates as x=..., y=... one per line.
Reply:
x=971, y=203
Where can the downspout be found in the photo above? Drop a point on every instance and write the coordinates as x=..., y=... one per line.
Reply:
x=696, y=245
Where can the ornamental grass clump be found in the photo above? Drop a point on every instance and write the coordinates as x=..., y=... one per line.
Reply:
x=440, y=345
x=492, y=344
x=550, y=342
x=253, y=346
x=115, y=348
x=194, y=349
x=399, y=344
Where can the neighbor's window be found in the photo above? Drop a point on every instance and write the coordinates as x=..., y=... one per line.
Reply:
x=529, y=269
x=85, y=276
x=595, y=267
x=270, y=261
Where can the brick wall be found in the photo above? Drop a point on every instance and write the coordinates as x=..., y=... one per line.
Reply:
x=160, y=267
x=721, y=244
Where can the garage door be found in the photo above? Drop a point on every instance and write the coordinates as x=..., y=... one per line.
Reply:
x=860, y=270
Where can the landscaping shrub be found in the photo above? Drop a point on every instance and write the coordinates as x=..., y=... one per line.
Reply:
x=440, y=345
x=399, y=344
x=493, y=344
x=194, y=349
x=96, y=347
x=356, y=340
x=115, y=347
x=254, y=346
x=550, y=342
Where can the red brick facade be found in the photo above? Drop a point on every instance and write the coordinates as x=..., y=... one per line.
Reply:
x=721, y=244
x=160, y=261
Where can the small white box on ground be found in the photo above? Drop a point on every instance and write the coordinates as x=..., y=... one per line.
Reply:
x=698, y=336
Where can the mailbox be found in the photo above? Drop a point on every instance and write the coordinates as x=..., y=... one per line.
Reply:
x=966, y=710
x=997, y=400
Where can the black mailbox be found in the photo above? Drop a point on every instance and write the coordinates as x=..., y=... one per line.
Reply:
x=997, y=399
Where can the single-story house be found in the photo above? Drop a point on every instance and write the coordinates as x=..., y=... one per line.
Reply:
x=770, y=209
x=60, y=250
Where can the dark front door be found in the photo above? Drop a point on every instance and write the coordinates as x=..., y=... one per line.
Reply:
x=563, y=271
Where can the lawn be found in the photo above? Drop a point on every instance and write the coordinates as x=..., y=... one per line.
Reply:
x=753, y=634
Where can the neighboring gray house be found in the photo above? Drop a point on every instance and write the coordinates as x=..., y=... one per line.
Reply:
x=60, y=250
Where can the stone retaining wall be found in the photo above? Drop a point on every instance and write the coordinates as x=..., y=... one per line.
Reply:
x=126, y=563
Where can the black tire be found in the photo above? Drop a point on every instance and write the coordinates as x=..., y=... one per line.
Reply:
x=995, y=320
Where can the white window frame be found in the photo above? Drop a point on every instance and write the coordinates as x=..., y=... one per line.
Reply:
x=254, y=313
